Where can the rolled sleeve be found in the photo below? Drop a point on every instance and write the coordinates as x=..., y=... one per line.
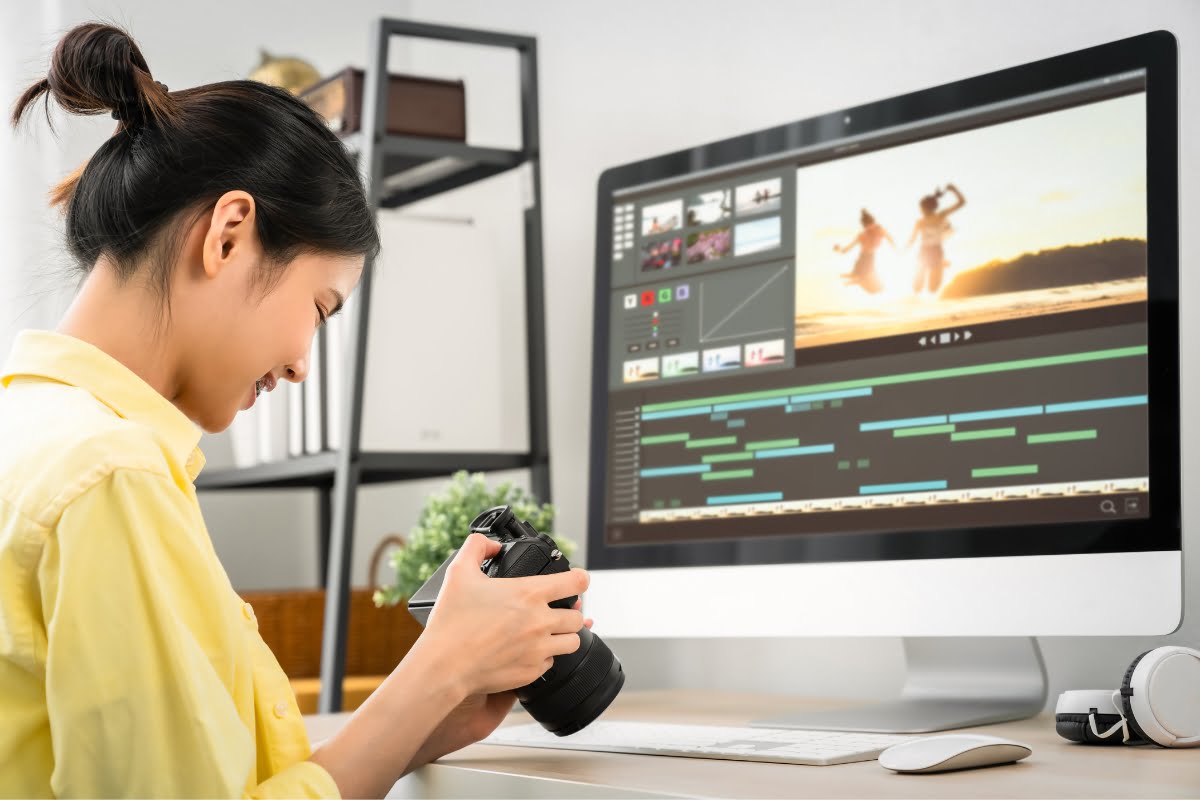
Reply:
x=303, y=779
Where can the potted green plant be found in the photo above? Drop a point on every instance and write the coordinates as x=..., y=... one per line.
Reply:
x=444, y=524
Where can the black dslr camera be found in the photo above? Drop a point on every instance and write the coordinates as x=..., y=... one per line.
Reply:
x=580, y=685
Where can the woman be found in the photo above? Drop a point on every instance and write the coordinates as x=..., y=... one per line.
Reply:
x=868, y=241
x=217, y=228
x=933, y=227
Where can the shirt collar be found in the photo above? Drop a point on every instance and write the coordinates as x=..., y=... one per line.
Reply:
x=63, y=358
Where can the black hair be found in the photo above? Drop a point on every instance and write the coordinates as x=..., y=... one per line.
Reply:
x=175, y=153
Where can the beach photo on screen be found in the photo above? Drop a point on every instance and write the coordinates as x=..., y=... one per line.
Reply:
x=759, y=197
x=641, y=369
x=1041, y=215
x=679, y=364
x=756, y=236
x=662, y=217
x=722, y=358
x=760, y=354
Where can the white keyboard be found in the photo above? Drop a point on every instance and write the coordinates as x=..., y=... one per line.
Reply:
x=778, y=745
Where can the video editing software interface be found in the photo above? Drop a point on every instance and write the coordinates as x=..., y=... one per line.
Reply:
x=941, y=325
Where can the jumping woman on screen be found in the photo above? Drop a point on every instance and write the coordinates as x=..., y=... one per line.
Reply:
x=932, y=228
x=868, y=241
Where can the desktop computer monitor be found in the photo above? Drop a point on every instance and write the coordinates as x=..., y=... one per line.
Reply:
x=905, y=369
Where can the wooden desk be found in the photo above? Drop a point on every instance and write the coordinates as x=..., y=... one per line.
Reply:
x=1057, y=768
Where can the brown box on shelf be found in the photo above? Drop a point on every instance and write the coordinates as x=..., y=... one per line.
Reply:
x=415, y=106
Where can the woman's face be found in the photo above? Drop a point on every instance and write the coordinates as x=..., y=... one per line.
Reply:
x=234, y=335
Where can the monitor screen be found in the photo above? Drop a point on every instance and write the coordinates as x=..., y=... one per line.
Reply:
x=936, y=327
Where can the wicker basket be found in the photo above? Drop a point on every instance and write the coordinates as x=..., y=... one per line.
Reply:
x=376, y=638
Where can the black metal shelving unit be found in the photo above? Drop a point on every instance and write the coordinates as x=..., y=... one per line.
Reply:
x=397, y=171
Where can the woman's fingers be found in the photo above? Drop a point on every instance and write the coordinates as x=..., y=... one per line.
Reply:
x=559, y=585
x=587, y=621
x=563, y=643
x=475, y=549
x=563, y=620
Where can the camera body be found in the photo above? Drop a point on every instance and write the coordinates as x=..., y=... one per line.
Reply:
x=580, y=685
x=523, y=550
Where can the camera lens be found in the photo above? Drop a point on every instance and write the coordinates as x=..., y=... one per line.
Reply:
x=577, y=689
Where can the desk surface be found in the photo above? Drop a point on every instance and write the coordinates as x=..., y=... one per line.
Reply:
x=1057, y=768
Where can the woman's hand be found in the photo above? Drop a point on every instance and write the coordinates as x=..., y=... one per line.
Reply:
x=475, y=718
x=500, y=634
x=484, y=638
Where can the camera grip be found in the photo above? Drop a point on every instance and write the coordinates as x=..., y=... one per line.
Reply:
x=553, y=568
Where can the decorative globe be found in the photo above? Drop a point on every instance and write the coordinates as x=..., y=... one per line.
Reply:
x=285, y=72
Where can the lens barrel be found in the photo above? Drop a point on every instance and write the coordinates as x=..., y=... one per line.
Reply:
x=576, y=689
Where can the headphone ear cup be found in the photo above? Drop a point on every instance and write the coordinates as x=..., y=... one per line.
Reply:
x=1077, y=728
x=1135, y=730
x=1072, y=727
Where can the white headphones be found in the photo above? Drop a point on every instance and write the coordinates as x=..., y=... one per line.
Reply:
x=1158, y=702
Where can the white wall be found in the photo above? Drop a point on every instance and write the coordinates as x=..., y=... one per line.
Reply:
x=32, y=289
x=626, y=79
x=619, y=81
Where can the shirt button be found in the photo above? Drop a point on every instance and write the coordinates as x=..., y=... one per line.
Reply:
x=280, y=709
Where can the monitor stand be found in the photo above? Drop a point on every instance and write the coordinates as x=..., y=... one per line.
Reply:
x=951, y=682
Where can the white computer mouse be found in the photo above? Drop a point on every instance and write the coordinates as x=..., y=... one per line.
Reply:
x=951, y=751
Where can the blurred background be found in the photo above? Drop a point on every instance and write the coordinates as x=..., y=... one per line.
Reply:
x=619, y=80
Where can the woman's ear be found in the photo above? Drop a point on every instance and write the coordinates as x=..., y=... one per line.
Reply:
x=231, y=234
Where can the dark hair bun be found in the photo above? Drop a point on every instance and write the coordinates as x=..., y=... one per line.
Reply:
x=98, y=67
x=174, y=156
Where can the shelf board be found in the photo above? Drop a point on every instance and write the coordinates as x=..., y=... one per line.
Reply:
x=316, y=471
x=301, y=471
x=416, y=167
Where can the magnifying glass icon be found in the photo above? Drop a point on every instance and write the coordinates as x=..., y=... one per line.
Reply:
x=1107, y=507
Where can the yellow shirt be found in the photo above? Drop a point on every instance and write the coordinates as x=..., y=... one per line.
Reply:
x=128, y=664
